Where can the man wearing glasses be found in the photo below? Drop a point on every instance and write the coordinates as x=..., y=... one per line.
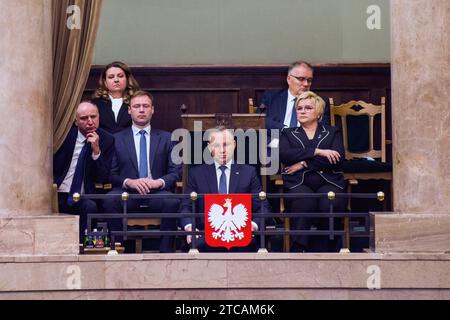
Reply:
x=280, y=111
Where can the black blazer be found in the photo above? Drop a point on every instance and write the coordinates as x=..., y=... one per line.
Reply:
x=295, y=147
x=97, y=171
x=203, y=180
x=125, y=164
x=275, y=102
x=107, y=118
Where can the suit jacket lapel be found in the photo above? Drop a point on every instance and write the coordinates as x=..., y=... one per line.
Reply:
x=109, y=112
x=321, y=133
x=154, y=142
x=282, y=105
x=72, y=140
x=131, y=149
x=211, y=179
x=234, y=178
x=68, y=149
x=123, y=111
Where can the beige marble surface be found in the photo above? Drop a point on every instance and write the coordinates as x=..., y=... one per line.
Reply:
x=408, y=232
x=26, y=105
x=184, y=272
x=238, y=294
x=420, y=105
x=43, y=235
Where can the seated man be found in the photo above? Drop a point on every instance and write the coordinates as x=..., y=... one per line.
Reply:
x=143, y=165
x=280, y=109
x=206, y=179
x=83, y=160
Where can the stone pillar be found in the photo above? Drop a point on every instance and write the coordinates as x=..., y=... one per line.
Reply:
x=26, y=130
x=26, y=105
x=421, y=129
x=420, y=105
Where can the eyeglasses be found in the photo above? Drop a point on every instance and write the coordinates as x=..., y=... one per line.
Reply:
x=306, y=109
x=301, y=79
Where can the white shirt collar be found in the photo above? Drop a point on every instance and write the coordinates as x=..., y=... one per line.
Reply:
x=228, y=165
x=80, y=137
x=290, y=96
x=136, y=130
x=115, y=99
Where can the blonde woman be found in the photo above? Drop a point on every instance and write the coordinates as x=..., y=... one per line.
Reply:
x=312, y=154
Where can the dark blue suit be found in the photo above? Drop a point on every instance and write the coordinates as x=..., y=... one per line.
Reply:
x=203, y=180
x=97, y=171
x=107, y=118
x=275, y=102
x=125, y=166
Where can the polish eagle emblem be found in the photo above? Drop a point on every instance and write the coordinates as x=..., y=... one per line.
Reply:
x=227, y=224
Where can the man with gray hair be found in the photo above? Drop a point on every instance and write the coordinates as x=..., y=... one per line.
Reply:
x=280, y=110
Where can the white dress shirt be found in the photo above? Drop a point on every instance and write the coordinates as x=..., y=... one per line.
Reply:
x=289, y=110
x=116, y=105
x=227, y=174
x=137, y=145
x=67, y=182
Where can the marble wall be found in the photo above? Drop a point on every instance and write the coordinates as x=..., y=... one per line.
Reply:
x=43, y=235
x=227, y=276
x=421, y=105
x=26, y=106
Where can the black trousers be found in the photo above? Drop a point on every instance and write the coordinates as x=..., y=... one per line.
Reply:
x=312, y=205
x=81, y=208
x=145, y=206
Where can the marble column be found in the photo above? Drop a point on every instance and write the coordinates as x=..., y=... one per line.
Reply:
x=421, y=129
x=26, y=105
x=26, y=218
x=420, y=106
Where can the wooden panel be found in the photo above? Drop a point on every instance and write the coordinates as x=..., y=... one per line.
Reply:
x=168, y=103
x=211, y=89
x=242, y=121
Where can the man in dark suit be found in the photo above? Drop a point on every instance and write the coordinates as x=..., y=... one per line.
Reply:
x=223, y=176
x=280, y=108
x=280, y=104
x=143, y=165
x=83, y=160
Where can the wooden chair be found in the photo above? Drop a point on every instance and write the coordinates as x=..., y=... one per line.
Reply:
x=146, y=223
x=356, y=165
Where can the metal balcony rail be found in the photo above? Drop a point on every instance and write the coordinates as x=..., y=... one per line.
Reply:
x=331, y=232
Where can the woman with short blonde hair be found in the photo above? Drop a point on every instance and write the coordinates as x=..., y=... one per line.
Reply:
x=312, y=154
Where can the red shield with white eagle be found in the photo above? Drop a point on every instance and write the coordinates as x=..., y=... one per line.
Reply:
x=228, y=220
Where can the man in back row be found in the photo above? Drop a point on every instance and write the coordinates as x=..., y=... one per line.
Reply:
x=280, y=110
x=143, y=165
